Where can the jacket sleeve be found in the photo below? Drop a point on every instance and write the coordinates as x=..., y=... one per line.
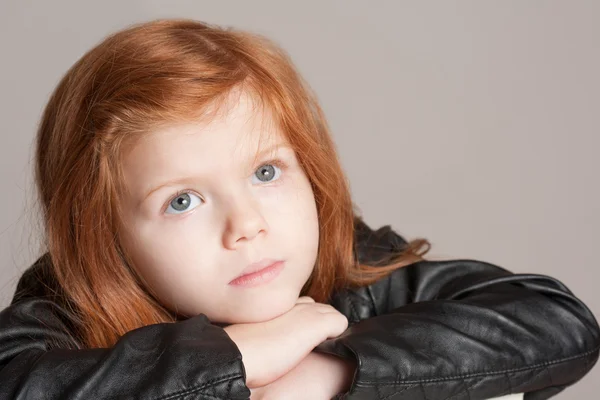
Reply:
x=463, y=329
x=187, y=359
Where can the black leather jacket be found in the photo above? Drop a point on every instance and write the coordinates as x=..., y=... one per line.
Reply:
x=457, y=329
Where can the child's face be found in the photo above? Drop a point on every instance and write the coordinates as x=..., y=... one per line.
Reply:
x=188, y=249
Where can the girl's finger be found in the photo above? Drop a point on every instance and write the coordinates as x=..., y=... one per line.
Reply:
x=305, y=299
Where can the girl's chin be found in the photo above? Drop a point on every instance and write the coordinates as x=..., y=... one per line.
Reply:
x=256, y=315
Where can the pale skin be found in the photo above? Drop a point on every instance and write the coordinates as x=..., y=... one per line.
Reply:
x=317, y=376
x=189, y=239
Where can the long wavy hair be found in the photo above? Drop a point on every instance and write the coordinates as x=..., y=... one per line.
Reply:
x=138, y=79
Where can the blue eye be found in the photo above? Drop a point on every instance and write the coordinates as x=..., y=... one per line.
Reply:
x=266, y=172
x=181, y=202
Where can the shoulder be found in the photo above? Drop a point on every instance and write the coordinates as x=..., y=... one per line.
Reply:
x=375, y=244
x=38, y=315
x=37, y=280
x=371, y=246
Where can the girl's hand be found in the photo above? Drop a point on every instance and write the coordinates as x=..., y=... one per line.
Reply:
x=318, y=376
x=272, y=348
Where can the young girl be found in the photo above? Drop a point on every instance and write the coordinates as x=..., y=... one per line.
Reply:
x=202, y=244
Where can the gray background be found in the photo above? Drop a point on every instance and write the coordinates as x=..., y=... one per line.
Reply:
x=474, y=124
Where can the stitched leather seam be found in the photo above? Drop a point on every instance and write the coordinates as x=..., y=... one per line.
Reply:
x=371, y=383
x=397, y=392
x=355, y=316
x=372, y=298
x=467, y=390
x=198, y=388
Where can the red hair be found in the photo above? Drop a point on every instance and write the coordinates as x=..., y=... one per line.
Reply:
x=135, y=80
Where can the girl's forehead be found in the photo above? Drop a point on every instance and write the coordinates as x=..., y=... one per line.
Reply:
x=230, y=144
x=240, y=119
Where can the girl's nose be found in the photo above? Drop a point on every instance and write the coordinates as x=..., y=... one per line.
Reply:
x=244, y=223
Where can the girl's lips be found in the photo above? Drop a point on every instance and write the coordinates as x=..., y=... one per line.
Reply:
x=265, y=275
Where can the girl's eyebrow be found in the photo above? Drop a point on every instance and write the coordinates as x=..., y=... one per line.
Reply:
x=190, y=179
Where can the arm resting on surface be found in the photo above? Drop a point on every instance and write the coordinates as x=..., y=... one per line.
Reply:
x=467, y=329
x=186, y=359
